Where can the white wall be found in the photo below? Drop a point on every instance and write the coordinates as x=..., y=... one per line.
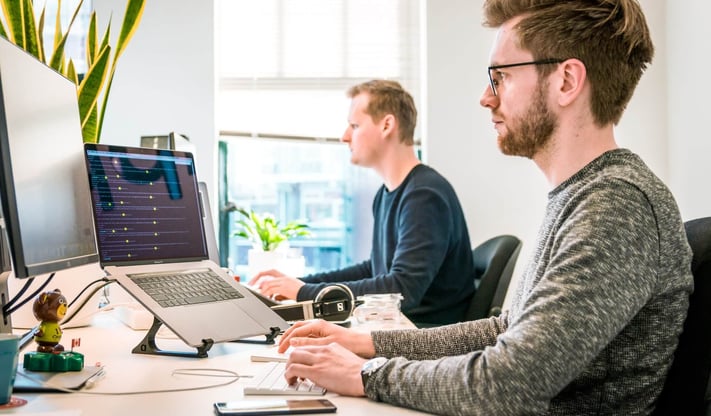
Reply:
x=165, y=81
x=689, y=89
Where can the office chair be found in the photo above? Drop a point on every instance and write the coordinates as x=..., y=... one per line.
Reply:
x=686, y=387
x=494, y=262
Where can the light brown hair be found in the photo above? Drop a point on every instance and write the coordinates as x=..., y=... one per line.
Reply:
x=388, y=97
x=610, y=37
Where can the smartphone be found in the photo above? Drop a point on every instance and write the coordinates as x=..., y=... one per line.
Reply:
x=274, y=407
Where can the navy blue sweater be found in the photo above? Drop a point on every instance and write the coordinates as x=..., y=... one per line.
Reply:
x=421, y=249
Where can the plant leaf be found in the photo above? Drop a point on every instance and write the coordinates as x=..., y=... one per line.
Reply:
x=265, y=229
x=3, y=32
x=12, y=10
x=131, y=19
x=57, y=26
x=40, y=38
x=91, y=40
x=31, y=42
x=88, y=129
x=71, y=72
x=60, y=40
x=89, y=90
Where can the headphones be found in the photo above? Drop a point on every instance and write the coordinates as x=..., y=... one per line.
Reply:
x=332, y=303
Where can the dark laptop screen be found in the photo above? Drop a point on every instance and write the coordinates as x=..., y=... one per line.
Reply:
x=146, y=205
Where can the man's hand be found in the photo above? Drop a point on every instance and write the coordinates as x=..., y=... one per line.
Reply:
x=273, y=283
x=321, y=333
x=331, y=366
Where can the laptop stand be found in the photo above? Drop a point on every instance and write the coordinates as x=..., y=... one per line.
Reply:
x=270, y=337
x=148, y=344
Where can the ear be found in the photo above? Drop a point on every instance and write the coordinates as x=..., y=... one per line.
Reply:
x=388, y=125
x=572, y=81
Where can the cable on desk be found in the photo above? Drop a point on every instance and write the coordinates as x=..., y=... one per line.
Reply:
x=206, y=372
x=105, y=282
x=9, y=310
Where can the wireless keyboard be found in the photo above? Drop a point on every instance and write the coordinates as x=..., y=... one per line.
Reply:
x=272, y=382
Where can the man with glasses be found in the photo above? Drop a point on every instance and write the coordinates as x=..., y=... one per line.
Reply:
x=595, y=320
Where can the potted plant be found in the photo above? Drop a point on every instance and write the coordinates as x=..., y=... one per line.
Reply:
x=265, y=232
x=270, y=242
x=23, y=28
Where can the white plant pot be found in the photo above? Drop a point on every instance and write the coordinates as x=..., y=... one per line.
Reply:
x=259, y=260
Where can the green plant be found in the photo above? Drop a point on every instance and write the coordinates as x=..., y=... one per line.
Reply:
x=25, y=30
x=266, y=230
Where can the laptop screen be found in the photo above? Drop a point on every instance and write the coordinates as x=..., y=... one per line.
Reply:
x=146, y=205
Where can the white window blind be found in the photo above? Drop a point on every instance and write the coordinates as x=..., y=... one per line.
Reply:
x=284, y=65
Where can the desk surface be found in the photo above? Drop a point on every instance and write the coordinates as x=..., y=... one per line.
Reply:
x=109, y=342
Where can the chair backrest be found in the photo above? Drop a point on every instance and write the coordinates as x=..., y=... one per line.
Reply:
x=494, y=262
x=687, y=383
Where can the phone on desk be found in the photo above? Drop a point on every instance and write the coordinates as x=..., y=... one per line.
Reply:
x=274, y=407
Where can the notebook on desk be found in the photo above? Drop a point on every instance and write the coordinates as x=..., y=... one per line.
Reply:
x=150, y=232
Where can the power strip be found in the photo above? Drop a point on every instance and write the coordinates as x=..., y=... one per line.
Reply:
x=134, y=316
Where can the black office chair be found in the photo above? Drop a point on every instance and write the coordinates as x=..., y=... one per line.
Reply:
x=494, y=262
x=687, y=385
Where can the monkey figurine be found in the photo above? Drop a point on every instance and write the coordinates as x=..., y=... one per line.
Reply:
x=49, y=308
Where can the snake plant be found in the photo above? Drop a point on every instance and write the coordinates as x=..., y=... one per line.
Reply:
x=24, y=28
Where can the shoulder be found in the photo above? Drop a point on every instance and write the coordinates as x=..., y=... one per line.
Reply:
x=616, y=179
x=426, y=177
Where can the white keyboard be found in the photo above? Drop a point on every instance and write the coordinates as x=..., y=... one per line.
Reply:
x=274, y=383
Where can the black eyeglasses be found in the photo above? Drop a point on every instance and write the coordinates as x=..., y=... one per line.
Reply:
x=495, y=81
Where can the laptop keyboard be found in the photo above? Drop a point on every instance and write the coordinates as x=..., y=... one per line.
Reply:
x=274, y=383
x=185, y=287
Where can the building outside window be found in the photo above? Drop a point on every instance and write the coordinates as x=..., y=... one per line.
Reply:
x=284, y=68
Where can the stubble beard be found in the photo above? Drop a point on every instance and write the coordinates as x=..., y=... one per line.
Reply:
x=533, y=131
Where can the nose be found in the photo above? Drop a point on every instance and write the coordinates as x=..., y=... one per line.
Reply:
x=346, y=137
x=488, y=99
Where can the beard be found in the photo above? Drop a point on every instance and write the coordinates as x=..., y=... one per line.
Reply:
x=529, y=134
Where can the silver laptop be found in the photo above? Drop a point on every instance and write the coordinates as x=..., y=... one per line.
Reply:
x=151, y=238
x=213, y=252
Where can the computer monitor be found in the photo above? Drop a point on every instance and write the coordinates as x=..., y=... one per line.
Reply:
x=46, y=205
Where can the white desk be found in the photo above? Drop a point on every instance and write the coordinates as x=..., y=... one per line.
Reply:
x=110, y=342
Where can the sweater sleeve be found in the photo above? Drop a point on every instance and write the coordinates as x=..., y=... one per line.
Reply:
x=433, y=343
x=316, y=282
x=594, y=283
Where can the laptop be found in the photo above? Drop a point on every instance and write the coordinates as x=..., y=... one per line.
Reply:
x=150, y=231
x=210, y=239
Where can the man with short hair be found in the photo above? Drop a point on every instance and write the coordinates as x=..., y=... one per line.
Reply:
x=596, y=317
x=421, y=246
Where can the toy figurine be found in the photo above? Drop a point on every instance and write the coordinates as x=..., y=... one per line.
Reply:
x=49, y=308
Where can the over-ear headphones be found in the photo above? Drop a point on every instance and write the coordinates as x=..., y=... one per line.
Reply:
x=332, y=303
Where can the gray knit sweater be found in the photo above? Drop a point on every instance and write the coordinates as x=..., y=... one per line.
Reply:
x=594, y=322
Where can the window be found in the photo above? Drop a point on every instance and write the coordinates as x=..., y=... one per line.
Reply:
x=284, y=67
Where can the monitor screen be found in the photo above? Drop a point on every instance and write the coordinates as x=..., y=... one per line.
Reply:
x=46, y=204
